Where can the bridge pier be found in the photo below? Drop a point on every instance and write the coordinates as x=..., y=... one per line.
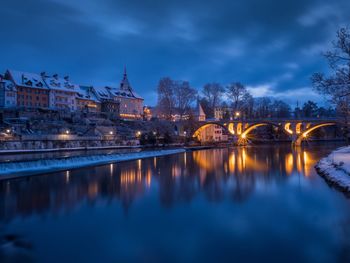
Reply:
x=296, y=140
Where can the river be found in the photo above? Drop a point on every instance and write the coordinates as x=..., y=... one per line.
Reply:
x=253, y=204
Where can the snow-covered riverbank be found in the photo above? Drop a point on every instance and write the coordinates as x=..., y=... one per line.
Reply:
x=335, y=168
x=18, y=169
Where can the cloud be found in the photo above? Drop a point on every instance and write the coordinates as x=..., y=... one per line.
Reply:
x=319, y=14
x=271, y=46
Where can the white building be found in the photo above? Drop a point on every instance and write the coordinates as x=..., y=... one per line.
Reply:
x=62, y=92
x=8, y=94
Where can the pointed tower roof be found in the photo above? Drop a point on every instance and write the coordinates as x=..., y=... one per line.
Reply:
x=124, y=84
x=200, y=114
x=200, y=110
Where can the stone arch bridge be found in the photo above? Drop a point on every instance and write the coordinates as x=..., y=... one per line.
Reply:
x=297, y=129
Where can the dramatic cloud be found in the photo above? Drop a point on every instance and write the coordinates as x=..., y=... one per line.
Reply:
x=271, y=46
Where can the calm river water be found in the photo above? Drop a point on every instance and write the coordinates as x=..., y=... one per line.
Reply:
x=255, y=204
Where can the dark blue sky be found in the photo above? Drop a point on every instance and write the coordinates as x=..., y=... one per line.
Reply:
x=270, y=46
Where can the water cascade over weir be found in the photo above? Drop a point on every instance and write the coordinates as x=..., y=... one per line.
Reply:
x=22, y=168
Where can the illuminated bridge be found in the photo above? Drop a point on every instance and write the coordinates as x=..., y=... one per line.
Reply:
x=297, y=129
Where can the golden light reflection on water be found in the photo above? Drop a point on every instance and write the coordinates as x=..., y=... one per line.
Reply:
x=176, y=177
x=241, y=160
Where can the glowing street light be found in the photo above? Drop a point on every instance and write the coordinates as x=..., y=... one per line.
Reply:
x=8, y=131
x=110, y=133
x=67, y=132
x=138, y=133
x=185, y=133
x=237, y=113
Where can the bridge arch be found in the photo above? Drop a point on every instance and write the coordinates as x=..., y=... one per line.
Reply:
x=299, y=139
x=196, y=133
x=256, y=125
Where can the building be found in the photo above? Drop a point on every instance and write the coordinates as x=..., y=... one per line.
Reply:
x=108, y=104
x=8, y=94
x=32, y=91
x=131, y=104
x=63, y=93
x=199, y=114
x=212, y=133
x=87, y=99
x=209, y=133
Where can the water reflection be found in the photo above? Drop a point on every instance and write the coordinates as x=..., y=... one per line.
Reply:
x=217, y=174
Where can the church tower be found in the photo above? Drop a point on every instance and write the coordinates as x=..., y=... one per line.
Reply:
x=125, y=85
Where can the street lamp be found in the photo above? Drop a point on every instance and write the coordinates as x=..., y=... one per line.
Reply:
x=67, y=131
x=138, y=134
x=8, y=131
x=185, y=133
x=110, y=133
x=237, y=114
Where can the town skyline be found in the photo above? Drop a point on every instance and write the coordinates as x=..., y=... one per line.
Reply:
x=92, y=43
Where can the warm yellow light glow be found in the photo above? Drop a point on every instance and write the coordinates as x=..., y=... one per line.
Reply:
x=243, y=136
x=289, y=163
x=231, y=128
x=287, y=128
x=298, y=128
x=239, y=128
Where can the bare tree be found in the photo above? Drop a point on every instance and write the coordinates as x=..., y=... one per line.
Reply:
x=247, y=105
x=236, y=93
x=336, y=86
x=212, y=93
x=263, y=107
x=166, y=97
x=184, y=97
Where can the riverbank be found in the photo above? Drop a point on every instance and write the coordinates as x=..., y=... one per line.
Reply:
x=335, y=168
x=28, y=168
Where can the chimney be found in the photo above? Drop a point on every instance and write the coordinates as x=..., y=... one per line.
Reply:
x=66, y=78
x=55, y=76
x=43, y=74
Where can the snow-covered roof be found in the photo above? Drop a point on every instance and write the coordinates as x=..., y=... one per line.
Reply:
x=123, y=93
x=63, y=84
x=86, y=93
x=9, y=85
x=125, y=89
x=102, y=93
x=25, y=79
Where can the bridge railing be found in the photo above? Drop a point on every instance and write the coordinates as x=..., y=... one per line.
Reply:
x=320, y=119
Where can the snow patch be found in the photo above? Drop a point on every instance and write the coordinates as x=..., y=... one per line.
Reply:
x=335, y=168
